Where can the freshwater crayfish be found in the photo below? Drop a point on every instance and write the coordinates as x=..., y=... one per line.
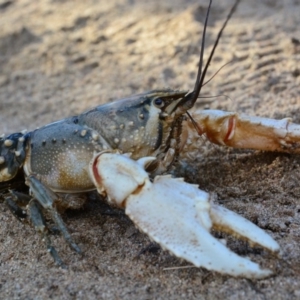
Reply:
x=60, y=158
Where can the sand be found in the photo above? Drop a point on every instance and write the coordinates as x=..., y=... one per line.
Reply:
x=59, y=58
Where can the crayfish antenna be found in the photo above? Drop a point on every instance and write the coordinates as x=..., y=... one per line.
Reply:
x=189, y=100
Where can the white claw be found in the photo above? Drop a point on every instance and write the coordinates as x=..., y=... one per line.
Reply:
x=117, y=176
x=178, y=215
x=239, y=226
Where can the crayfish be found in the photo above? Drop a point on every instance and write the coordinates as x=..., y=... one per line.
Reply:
x=124, y=150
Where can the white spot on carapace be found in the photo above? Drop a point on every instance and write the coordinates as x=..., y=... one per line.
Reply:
x=116, y=140
x=130, y=123
x=17, y=153
x=21, y=139
x=8, y=143
x=83, y=133
x=4, y=175
x=95, y=136
x=2, y=160
x=122, y=126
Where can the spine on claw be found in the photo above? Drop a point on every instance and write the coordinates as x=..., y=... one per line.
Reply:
x=12, y=154
x=242, y=131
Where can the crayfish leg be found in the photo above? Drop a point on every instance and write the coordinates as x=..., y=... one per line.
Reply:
x=16, y=201
x=33, y=211
x=39, y=223
x=46, y=198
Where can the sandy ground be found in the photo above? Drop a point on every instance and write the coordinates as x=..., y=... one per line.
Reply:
x=59, y=58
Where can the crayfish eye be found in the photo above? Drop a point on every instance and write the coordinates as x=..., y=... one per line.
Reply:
x=158, y=102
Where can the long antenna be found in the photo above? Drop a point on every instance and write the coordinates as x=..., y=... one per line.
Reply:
x=192, y=97
x=202, y=48
x=197, y=88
